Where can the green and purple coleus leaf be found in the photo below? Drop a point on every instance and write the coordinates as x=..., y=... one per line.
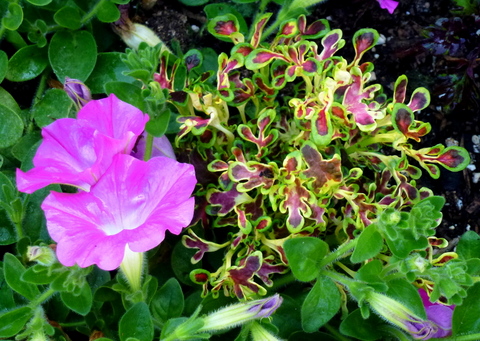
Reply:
x=224, y=202
x=268, y=268
x=354, y=101
x=453, y=158
x=192, y=59
x=192, y=241
x=261, y=57
x=251, y=174
x=265, y=135
x=258, y=29
x=404, y=122
x=226, y=28
x=331, y=43
x=241, y=278
x=363, y=40
x=419, y=100
x=294, y=200
x=226, y=65
x=322, y=176
x=315, y=30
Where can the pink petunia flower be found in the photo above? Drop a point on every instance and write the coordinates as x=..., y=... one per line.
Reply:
x=128, y=209
x=77, y=151
x=389, y=5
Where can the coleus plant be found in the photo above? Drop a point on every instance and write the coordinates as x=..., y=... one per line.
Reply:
x=302, y=161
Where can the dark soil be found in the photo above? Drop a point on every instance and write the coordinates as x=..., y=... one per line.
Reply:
x=401, y=53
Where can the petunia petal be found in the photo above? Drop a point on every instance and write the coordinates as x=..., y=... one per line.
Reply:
x=133, y=204
x=114, y=118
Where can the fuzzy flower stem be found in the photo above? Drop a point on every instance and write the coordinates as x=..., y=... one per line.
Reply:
x=148, y=147
x=42, y=298
x=338, y=253
x=131, y=267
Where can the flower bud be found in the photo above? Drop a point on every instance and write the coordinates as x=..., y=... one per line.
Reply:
x=161, y=147
x=43, y=255
x=77, y=91
x=241, y=313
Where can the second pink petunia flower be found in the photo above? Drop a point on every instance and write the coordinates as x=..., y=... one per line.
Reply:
x=131, y=206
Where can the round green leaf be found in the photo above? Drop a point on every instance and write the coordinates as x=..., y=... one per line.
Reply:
x=7, y=100
x=22, y=147
x=11, y=127
x=126, y=92
x=3, y=65
x=68, y=17
x=136, y=323
x=39, y=2
x=53, y=105
x=27, y=63
x=108, y=12
x=304, y=254
x=12, y=322
x=72, y=54
x=14, y=17
x=320, y=305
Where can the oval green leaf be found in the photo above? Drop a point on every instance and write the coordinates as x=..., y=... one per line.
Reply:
x=39, y=2
x=320, y=305
x=108, y=12
x=13, y=271
x=11, y=127
x=80, y=304
x=304, y=255
x=72, y=54
x=27, y=63
x=369, y=244
x=136, y=323
x=168, y=302
x=466, y=316
x=109, y=68
x=53, y=105
x=3, y=65
x=14, y=321
x=68, y=17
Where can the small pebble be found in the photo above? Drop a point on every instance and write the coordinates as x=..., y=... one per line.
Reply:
x=195, y=28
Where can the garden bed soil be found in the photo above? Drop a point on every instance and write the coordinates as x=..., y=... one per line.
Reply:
x=401, y=53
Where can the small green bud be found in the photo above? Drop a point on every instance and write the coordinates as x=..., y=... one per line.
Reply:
x=43, y=255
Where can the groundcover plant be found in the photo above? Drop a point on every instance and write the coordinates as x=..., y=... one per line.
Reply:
x=287, y=208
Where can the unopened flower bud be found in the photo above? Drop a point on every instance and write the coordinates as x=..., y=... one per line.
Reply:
x=77, y=91
x=43, y=255
x=238, y=314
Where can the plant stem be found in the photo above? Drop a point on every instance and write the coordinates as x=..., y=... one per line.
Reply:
x=338, y=253
x=73, y=324
x=92, y=12
x=335, y=333
x=42, y=298
x=148, y=147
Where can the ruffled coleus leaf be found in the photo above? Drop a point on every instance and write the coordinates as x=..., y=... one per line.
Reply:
x=403, y=121
x=332, y=42
x=295, y=199
x=453, y=158
x=323, y=175
x=419, y=100
x=354, y=98
x=287, y=30
x=258, y=29
x=252, y=174
x=226, y=65
x=261, y=57
x=241, y=278
x=265, y=136
x=225, y=201
x=192, y=241
x=268, y=268
x=315, y=30
x=364, y=40
x=226, y=28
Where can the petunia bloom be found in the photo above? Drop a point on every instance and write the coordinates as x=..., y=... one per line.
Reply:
x=389, y=5
x=441, y=315
x=77, y=151
x=128, y=209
